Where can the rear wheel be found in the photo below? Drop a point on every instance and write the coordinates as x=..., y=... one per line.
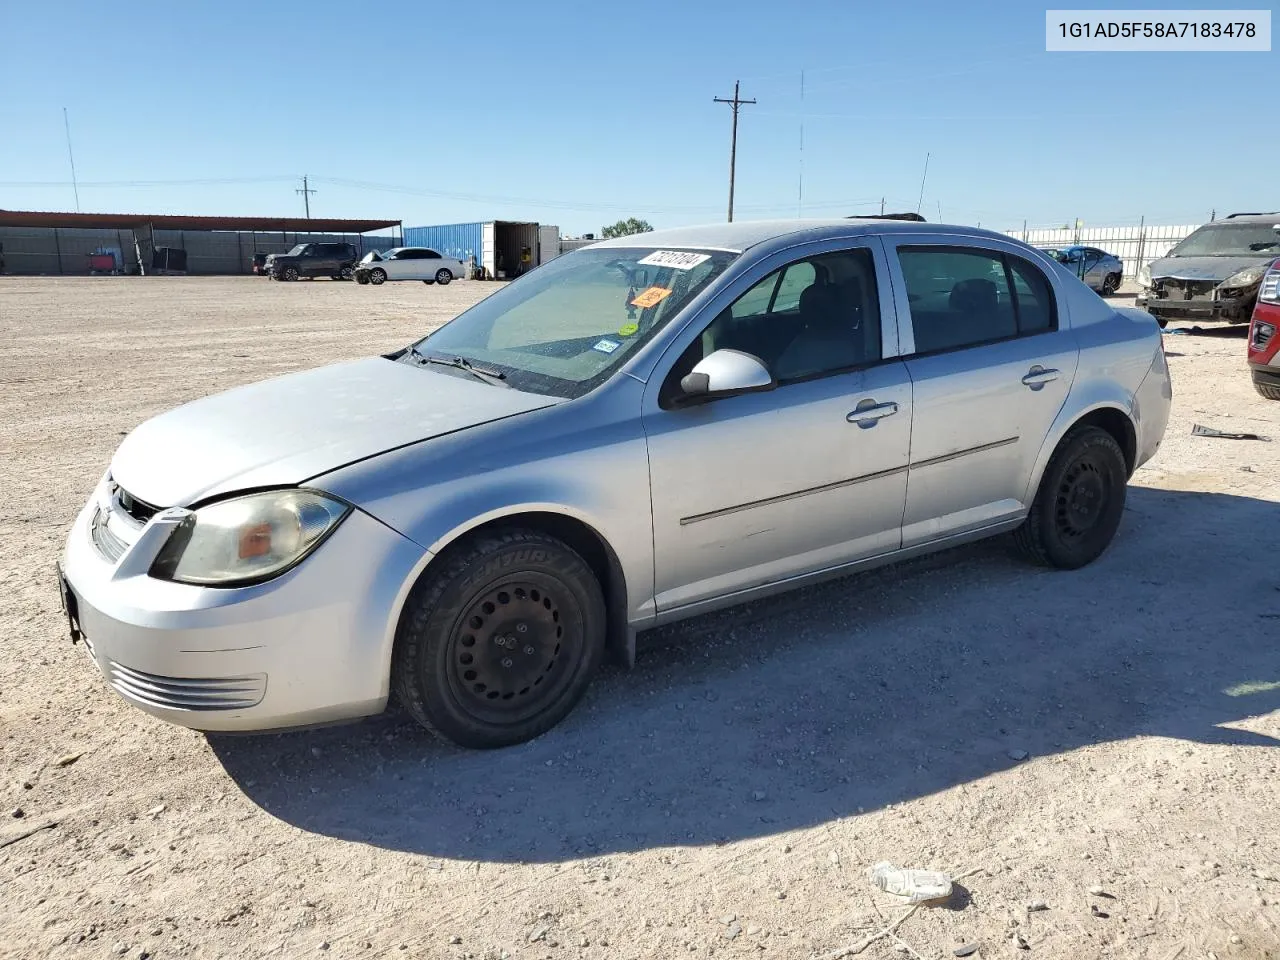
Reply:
x=1267, y=390
x=346, y=273
x=499, y=643
x=1078, y=507
x=443, y=276
x=1111, y=284
x=377, y=275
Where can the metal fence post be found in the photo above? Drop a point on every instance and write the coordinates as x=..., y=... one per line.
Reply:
x=1142, y=244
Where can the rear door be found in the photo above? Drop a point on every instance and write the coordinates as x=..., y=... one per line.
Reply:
x=991, y=363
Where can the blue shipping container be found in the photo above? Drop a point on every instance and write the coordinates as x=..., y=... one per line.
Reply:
x=462, y=241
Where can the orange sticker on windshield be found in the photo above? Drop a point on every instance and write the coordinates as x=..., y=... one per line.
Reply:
x=650, y=297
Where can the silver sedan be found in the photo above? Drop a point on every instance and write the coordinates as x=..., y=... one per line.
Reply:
x=642, y=430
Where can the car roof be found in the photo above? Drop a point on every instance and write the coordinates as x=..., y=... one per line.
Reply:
x=1253, y=218
x=745, y=234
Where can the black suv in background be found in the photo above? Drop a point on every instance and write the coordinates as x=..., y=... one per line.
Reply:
x=336, y=260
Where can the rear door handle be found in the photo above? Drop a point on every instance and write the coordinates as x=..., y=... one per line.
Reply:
x=1038, y=376
x=868, y=412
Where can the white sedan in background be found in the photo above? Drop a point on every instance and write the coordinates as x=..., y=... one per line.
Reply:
x=408, y=263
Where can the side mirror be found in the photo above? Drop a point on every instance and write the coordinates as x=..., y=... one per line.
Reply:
x=726, y=373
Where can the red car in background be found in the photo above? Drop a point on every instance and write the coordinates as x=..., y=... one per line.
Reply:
x=1264, y=344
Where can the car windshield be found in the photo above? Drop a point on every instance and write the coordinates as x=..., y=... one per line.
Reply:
x=1229, y=240
x=564, y=328
x=296, y=251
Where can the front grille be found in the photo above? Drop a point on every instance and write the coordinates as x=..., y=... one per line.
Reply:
x=174, y=693
x=108, y=544
x=1185, y=289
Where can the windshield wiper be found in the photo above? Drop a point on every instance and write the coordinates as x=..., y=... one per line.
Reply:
x=494, y=377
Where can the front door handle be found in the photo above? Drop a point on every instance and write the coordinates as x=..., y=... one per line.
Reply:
x=868, y=412
x=1038, y=376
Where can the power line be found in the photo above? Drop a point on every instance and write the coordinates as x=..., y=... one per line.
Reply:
x=736, y=103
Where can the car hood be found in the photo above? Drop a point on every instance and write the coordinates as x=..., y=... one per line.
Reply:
x=1203, y=268
x=286, y=430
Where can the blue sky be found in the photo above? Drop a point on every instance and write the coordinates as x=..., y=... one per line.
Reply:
x=580, y=114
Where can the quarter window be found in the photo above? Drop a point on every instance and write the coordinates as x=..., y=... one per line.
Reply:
x=962, y=297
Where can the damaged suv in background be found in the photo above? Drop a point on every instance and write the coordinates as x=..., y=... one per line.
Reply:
x=1214, y=273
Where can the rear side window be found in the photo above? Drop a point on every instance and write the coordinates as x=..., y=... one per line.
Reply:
x=430, y=255
x=962, y=297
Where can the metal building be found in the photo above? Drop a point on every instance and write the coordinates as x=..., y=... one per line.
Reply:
x=37, y=242
x=496, y=246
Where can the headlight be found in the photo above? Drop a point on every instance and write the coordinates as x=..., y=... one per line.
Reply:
x=248, y=539
x=1144, y=275
x=1245, y=278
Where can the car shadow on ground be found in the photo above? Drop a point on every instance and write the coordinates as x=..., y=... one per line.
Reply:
x=832, y=700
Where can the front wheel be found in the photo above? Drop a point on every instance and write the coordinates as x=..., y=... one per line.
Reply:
x=499, y=643
x=1267, y=390
x=377, y=276
x=1078, y=507
x=443, y=276
x=291, y=273
x=362, y=278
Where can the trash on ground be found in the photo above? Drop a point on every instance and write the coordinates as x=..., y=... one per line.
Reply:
x=911, y=886
x=1199, y=431
x=968, y=950
x=1034, y=906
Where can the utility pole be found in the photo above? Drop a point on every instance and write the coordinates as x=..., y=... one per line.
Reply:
x=306, y=192
x=736, y=102
x=882, y=206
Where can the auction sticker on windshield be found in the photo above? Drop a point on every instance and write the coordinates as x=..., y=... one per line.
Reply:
x=675, y=259
x=606, y=346
x=650, y=297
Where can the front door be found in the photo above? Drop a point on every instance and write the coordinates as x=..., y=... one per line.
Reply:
x=758, y=488
x=990, y=370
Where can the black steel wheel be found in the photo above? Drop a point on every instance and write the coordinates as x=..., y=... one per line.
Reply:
x=1078, y=507
x=499, y=641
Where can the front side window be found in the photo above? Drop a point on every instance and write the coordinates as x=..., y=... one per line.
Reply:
x=566, y=327
x=962, y=297
x=811, y=318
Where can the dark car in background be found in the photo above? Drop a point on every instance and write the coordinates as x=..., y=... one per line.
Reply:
x=336, y=260
x=259, y=264
x=1214, y=273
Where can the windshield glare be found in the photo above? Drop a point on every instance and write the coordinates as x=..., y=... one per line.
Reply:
x=566, y=326
x=296, y=250
x=371, y=256
x=1229, y=240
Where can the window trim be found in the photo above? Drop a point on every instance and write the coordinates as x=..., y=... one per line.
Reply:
x=994, y=253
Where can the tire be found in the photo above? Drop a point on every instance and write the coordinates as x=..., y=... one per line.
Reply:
x=1110, y=284
x=362, y=278
x=1267, y=390
x=1078, y=507
x=428, y=282
x=290, y=273
x=1163, y=321
x=377, y=276
x=443, y=276
x=346, y=273
x=499, y=615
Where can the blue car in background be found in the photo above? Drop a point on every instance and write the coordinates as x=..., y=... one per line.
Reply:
x=1102, y=271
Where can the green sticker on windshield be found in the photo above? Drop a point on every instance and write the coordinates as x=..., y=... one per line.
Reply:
x=628, y=329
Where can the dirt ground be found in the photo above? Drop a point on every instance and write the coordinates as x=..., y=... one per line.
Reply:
x=1040, y=733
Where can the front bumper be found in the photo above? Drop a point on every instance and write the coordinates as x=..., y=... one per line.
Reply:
x=1229, y=310
x=311, y=646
